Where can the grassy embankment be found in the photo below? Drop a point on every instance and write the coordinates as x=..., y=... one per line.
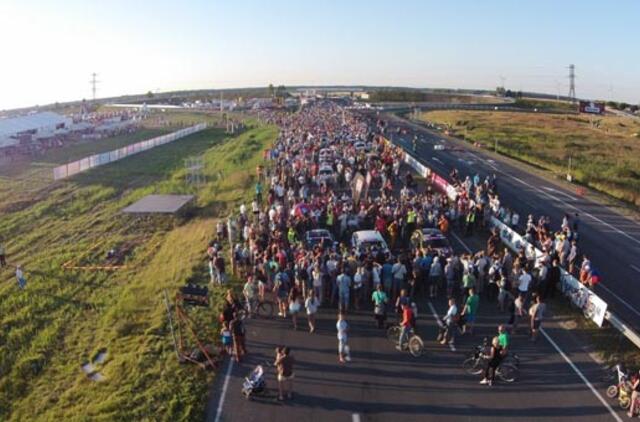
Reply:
x=64, y=318
x=605, y=150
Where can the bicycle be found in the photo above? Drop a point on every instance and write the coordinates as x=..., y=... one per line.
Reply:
x=507, y=371
x=262, y=308
x=413, y=342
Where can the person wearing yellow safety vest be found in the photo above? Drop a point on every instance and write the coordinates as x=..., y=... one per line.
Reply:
x=292, y=237
x=470, y=221
x=412, y=216
x=330, y=219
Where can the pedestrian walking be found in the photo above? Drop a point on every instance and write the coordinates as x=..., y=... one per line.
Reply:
x=238, y=333
x=311, y=304
x=284, y=366
x=380, y=299
x=536, y=314
x=344, y=354
x=469, y=311
x=22, y=282
x=448, y=332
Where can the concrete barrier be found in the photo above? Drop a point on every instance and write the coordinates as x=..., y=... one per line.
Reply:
x=593, y=307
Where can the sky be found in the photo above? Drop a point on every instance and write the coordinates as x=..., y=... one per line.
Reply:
x=50, y=48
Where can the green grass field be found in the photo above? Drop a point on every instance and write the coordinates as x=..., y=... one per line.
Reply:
x=605, y=150
x=64, y=318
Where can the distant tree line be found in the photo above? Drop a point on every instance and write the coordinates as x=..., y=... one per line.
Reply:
x=622, y=106
x=397, y=95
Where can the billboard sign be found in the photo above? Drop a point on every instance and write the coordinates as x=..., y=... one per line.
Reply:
x=592, y=107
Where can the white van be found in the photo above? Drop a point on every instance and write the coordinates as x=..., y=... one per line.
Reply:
x=369, y=239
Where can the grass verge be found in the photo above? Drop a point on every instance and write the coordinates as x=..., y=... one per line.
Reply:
x=64, y=318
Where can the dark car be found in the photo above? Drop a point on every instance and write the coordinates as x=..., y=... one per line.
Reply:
x=434, y=239
x=318, y=237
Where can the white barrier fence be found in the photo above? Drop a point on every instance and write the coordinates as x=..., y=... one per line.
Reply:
x=591, y=304
x=86, y=163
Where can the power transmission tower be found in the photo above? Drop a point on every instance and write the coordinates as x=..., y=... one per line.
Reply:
x=572, y=83
x=94, y=84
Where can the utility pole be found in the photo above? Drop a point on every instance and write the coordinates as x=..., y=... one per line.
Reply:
x=94, y=84
x=496, y=145
x=220, y=101
x=572, y=83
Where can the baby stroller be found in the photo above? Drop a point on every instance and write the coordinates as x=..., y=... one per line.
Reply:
x=255, y=383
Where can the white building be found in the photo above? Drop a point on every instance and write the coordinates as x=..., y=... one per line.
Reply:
x=32, y=126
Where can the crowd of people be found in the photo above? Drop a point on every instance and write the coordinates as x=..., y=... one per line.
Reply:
x=272, y=253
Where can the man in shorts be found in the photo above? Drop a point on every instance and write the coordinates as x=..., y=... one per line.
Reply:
x=536, y=312
x=342, y=326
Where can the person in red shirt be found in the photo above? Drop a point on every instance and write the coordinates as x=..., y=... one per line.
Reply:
x=406, y=324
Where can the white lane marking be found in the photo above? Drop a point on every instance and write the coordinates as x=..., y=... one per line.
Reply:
x=435, y=314
x=559, y=192
x=573, y=206
x=581, y=375
x=464, y=245
x=624, y=302
x=355, y=417
x=437, y=159
x=223, y=393
x=440, y=323
x=635, y=268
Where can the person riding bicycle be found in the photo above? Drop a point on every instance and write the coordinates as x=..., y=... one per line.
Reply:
x=406, y=324
x=493, y=361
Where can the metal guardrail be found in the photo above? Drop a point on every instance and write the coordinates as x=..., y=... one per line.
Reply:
x=613, y=319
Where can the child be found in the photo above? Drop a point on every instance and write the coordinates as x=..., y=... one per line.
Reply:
x=227, y=341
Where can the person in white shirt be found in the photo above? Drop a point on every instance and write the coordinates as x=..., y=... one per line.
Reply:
x=22, y=282
x=524, y=281
x=311, y=305
x=342, y=326
x=449, y=321
x=399, y=272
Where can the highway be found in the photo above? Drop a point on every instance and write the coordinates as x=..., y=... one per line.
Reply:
x=382, y=384
x=611, y=240
x=557, y=380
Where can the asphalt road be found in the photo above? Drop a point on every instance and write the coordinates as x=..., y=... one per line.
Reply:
x=382, y=384
x=611, y=240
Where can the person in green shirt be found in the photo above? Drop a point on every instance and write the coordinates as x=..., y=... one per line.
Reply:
x=468, y=282
x=469, y=311
x=380, y=299
x=504, y=339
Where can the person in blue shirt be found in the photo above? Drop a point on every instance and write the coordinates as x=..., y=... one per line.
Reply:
x=387, y=276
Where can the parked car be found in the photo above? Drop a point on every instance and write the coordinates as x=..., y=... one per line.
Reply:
x=319, y=237
x=369, y=239
x=433, y=238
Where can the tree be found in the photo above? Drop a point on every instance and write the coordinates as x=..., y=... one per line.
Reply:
x=281, y=91
x=149, y=94
x=500, y=91
x=270, y=89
